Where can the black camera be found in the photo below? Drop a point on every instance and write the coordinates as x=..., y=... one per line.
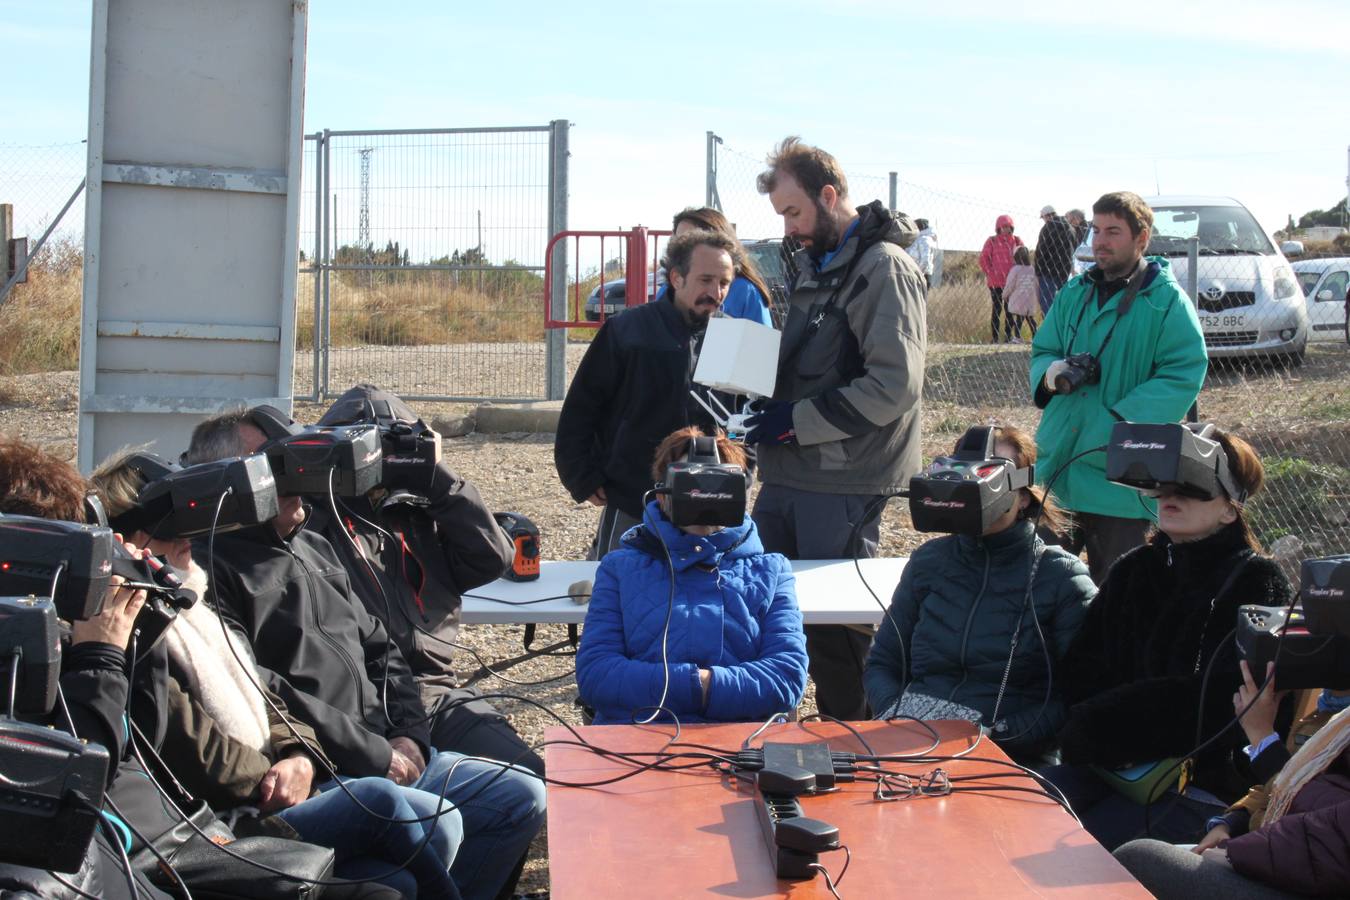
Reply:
x=703, y=490
x=51, y=797
x=186, y=502
x=969, y=491
x=343, y=458
x=1309, y=643
x=1184, y=458
x=314, y=459
x=1082, y=368
x=67, y=561
x=411, y=452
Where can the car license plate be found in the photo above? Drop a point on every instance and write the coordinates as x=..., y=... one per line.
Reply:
x=1223, y=321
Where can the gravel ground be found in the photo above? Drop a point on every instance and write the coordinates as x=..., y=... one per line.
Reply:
x=1306, y=407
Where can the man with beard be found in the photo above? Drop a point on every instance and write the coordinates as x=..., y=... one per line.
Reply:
x=632, y=387
x=841, y=432
x=1147, y=351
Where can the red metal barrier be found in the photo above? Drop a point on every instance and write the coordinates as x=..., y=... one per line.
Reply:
x=640, y=281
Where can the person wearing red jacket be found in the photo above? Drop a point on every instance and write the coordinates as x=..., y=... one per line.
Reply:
x=995, y=260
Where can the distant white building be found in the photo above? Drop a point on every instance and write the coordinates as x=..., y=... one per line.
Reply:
x=1319, y=233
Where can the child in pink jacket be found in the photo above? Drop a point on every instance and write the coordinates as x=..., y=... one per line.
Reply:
x=1020, y=293
x=996, y=259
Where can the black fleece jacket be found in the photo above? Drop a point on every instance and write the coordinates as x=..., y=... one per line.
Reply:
x=1134, y=674
x=630, y=391
x=434, y=542
x=316, y=645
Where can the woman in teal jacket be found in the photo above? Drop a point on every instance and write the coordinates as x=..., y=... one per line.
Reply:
x=727, y=647
x=949, y=631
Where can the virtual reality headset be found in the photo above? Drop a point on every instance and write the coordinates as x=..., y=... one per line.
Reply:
x=703, y=490
x=1185, y=459
x=185, y=501
x=968, y=491
x=1309, y=643
x=314, y=459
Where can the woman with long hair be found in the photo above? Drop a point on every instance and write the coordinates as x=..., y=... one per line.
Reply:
x=1151, y=674
x=749, y=295
x=969, y=611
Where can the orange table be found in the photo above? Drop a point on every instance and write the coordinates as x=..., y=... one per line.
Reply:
x=689, y=834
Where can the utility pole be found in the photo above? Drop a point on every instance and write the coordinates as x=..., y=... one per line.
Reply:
x=363, y=226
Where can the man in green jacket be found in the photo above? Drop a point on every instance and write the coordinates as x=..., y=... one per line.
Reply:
x=1147, y=352
x=841, y=432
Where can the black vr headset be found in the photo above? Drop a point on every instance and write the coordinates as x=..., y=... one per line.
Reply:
x=1186, y=459
x=1312, y=639
x=411, y=449
x=703, y=490
x=181, y=502
x=969, y=491
x=307, y=459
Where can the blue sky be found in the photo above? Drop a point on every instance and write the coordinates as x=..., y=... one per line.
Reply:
x=981, y=107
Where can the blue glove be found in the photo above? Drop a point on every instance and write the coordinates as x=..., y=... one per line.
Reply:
x=771, y=424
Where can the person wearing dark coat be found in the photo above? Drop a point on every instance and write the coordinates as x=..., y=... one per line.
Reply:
x=633, y=387
x=1156, y=641
x=333, y=663
x=427, y=538
x=960, y=601
x=1301, y=849
x=1054, y=255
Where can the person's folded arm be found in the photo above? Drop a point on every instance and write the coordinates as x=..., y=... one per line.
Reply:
x=775, y=680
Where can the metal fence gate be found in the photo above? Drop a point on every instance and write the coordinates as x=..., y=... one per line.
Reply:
x=422, y=255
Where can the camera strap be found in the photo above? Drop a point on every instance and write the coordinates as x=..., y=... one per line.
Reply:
x=1122, y=309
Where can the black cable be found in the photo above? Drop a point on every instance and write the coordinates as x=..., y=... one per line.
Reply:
x=116, y=841
x=69, y=886
x=524, y=602
x=384, y=597
x=14, y=679
x=249, y=673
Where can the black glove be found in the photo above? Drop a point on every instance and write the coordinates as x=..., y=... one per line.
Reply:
x=771, y=424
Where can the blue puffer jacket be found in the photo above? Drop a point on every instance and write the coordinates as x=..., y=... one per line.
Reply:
x=957, y=605
x=735, y=614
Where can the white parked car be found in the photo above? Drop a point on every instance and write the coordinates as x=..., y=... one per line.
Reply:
x=1248, y=300
x=1324, y=283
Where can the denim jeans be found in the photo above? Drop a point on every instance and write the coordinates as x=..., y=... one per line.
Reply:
x=1047, y=289
x=502, y=809
x=367, y=846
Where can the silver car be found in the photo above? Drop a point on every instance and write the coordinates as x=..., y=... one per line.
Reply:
x=1247, y=297
x=1325, y=282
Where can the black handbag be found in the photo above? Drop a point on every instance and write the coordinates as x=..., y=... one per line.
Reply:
x=220, y=865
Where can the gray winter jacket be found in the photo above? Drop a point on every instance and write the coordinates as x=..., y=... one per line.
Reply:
x=853, y=354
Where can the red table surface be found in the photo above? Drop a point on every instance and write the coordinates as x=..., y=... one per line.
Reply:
x=689, y=834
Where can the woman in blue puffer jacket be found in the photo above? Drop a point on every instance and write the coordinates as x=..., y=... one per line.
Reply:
x=959, y=603
x=735, y=650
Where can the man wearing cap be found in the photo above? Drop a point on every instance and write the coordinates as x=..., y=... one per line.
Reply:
x=1054, y=255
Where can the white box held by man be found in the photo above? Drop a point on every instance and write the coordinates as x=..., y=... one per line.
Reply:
x=739, y=356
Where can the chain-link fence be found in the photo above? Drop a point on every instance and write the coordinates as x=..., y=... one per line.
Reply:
x=1276, y=334
x=428, y=250
x=40, y=316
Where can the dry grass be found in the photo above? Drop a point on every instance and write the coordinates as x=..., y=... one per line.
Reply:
x=40, y=320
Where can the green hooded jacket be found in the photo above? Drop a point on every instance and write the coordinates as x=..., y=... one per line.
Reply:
x=1151, y=371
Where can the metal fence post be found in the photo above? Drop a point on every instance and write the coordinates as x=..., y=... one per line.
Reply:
x=317, y=261
x=555, y=339
x=321, y=385
x=895, y=190
x=712, y=199
x=1193, y=270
